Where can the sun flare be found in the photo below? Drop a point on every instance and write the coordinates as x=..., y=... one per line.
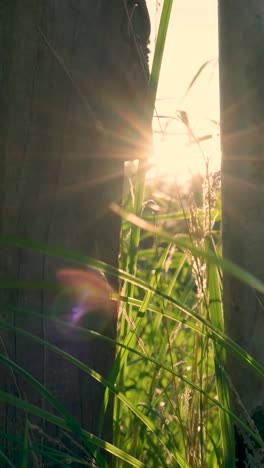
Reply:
x=184, y=148
x=175, y=157
x=176, y=152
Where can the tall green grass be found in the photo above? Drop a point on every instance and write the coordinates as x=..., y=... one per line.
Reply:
x=159, y=444
x=169, y=380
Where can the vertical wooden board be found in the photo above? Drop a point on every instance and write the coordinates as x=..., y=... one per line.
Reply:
x=241, y=60
x=74, y=93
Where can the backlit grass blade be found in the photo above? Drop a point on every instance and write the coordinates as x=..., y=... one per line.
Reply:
x=81, y=260
x=86, y=369
x=197, y=75
x=130, y=338
x=213, y=332
x=182, y=243
x=217, y=319
x=159, y=50
x=112, y=387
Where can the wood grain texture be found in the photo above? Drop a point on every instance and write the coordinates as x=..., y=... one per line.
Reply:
x=241, y=39
x=73, y=92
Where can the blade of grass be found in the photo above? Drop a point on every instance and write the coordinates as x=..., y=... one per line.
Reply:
x=25, y=460
x=112, y=387
x=197, y=75
x=159, y=51
x=131, y=338
x=83, y=367
x=48, y=453
x=225, y=264
x=229, y=266
x=6, y=460
x=77, y=258
x=131, y=267
x=71, y=422
x=217, y=319
x=59, y=422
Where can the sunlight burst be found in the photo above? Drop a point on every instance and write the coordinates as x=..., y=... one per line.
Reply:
x=175, y=157
x=182, y=150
